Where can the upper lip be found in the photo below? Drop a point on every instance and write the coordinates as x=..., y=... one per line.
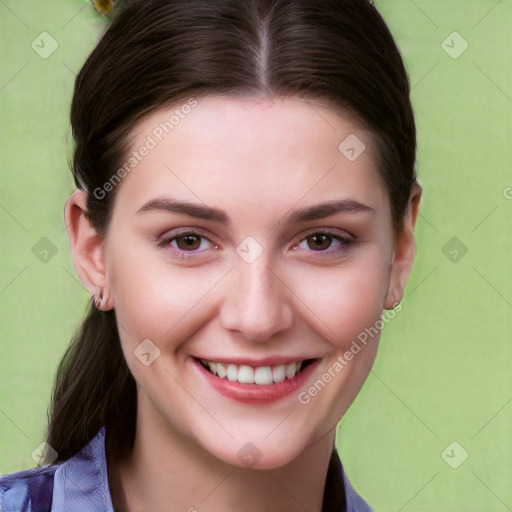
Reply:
x=268, y=361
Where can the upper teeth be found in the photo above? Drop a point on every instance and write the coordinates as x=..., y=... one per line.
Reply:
x=261, y=375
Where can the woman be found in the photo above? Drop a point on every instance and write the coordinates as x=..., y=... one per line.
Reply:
x=245, y=207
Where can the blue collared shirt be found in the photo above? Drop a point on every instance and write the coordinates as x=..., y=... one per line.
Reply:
x=80, y=484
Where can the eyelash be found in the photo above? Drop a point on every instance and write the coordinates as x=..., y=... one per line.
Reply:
x=165, y=243
x=345, y=244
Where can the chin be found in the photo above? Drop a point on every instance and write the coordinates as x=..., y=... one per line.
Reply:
x=263, y=453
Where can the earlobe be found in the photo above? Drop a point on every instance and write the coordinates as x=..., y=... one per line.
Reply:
x=405, y=250
x=87, y=248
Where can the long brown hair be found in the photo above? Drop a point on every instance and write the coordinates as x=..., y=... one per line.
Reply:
x=158, y=53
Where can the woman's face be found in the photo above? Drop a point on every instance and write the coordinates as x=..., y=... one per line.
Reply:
x=254, y=234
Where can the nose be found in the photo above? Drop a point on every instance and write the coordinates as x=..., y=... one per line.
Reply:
x=257, y=302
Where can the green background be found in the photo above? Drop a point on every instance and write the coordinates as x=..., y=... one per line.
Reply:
x=443, y=373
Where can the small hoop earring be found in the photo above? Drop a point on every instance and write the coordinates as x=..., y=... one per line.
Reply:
x=394, y=306
x=99, y=301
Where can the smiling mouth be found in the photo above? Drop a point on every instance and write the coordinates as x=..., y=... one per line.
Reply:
x=260, y=375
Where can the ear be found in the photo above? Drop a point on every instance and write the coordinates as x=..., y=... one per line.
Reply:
x=405, y=250
x=87, y=248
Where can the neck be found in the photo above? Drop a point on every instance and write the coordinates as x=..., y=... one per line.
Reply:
x=166, y=470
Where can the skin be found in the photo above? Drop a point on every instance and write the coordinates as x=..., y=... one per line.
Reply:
x=257, y=160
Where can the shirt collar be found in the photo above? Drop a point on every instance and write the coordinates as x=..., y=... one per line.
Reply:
x=81, y=483
x=339, y=495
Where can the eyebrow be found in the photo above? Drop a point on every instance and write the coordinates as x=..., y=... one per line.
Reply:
x=200, y=211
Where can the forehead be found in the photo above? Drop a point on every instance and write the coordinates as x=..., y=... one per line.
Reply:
x=250, y=152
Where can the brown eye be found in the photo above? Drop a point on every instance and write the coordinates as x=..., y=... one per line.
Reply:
x=319, y=241
x=324, y=244
x=187, y=245
x=188, y=242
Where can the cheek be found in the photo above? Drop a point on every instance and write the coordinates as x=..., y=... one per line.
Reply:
x=153, y=297
x=343, y=302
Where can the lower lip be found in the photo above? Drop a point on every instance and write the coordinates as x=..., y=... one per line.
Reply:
x=254, y=393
